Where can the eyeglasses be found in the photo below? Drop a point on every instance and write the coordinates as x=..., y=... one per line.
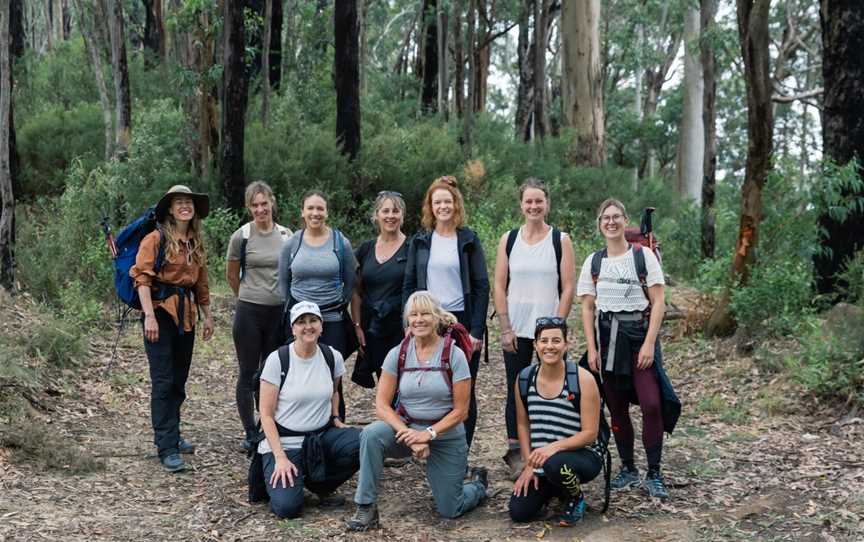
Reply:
x=389, y=193
x=611, y=218
x=546, y=322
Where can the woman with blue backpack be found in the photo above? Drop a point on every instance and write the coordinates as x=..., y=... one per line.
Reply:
x=534, y=277
x=317, y=265
x=252, y=271
x=558, y=420
x=170, y=275
x=621, y=287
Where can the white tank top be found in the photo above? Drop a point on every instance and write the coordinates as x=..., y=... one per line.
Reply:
x=533, y=291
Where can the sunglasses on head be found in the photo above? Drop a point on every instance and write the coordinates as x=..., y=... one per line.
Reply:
x=390, y=193
x=550, y=322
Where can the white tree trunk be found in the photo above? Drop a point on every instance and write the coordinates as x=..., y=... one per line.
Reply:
x=580, y=32
x=691, y=137
x=637, y=94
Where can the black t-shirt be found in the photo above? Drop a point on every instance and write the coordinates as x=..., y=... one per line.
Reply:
x=382, y=283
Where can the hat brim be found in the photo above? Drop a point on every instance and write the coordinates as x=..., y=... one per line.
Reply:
x=201, y=201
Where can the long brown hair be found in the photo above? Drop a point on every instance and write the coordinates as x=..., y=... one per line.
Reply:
x=194, y=234
x=449, y=184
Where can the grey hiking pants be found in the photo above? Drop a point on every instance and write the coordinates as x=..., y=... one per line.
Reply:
x=445, y=468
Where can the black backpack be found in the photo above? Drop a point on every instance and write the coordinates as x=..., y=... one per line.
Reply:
x=255, y=477
x=604, y=433
x=556, y=246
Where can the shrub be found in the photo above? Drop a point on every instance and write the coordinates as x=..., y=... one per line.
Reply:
x=775, y=297
x=852, y=278
x=831, y=365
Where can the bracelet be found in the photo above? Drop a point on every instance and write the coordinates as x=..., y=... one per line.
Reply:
x=356, y=324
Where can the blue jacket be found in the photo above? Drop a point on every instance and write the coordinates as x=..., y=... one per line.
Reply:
x=472, y=269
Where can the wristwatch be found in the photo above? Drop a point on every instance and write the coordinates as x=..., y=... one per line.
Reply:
x=432, y=432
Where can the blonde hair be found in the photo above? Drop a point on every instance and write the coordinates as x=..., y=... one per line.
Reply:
x=449, y=184
x=194, y=233
x=423, y=299
x=382, y=198
x=610, y=202
x=259, y=187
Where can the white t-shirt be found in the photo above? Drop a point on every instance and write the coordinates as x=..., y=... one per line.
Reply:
x=304, y=401
x=618, y=288
x=442, y=273
x=533, y=290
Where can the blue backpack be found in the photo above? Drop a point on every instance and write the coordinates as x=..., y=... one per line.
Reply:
x=127, y=243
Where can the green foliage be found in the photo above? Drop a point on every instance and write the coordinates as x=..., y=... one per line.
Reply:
x=62, y=79
x=852, y=278
x=831, y=365
x=775, y=297
x=218, y=227
x=50, y=140
x=37, y=443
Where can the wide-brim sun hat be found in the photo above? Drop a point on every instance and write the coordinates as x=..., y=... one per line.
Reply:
x=201, y=201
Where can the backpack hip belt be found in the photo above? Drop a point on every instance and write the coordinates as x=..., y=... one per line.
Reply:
x=615, y=317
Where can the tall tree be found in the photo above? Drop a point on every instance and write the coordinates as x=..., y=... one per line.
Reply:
x=429, y=58
x=582, y=88
x=708, y=13
x=235, y=88
x=541, y=117
x=16, y=26
x=122, y=94
x=7, y=195
x=265, y=61
x=275, y=60
x=468, y=120
x=525, y=61
x=441, y=39
x=92, y=46
x=691, y=136
x=154, y=30
x=755, y=40
x=843, y=126
x=346, y=67
x=458, y=57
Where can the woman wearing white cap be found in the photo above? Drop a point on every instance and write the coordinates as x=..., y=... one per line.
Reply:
x=299, y=416
x=170, y=274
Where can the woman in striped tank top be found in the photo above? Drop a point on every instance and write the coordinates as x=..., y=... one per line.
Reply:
x=558, y=441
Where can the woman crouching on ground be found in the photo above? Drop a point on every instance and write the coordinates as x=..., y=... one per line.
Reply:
x=435, y=403
x=301, y=405
x=558, y=439
x=170, y=298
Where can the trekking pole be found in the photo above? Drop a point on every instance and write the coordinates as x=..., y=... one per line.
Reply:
x=112, y=248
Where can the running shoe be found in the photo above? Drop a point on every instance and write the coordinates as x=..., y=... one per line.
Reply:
x=572, y=512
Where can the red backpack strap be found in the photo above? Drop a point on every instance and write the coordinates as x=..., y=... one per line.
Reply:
x=641, y=268
x=446, y=368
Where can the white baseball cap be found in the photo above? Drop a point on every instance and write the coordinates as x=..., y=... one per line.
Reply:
x=304, y=307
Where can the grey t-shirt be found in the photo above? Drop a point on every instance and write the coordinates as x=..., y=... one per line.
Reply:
x=260, y=283
x=443, y=277
x=313, y=273
x=304, y=401
x=425, y=394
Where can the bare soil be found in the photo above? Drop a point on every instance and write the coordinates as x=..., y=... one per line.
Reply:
x=752, y=459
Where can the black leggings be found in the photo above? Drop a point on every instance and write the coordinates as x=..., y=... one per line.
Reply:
x=474, y=366
x=514, y=362
x=257, y=332
x=334, y=335
x=563, y=476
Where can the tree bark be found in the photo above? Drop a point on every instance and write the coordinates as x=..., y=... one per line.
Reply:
x=755, y=39
x=691, y=136
x=235, y=86
x=16, y=28
x=468, y=123
x=7, y=195
x=346, y=67
x=429, y=62
x=154, y=31
x=458, y=58
x=275, y=58
x=842, y=127
x=541, y=118
x=265, y=61
x=709, y=119
x=525, y=60
x=96, y=65
x=122, y=95
x=443, y=86
x=583, y=109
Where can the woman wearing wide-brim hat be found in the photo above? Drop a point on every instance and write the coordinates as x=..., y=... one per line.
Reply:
x=170, y=275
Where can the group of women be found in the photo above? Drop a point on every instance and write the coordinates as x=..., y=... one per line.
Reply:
x=306, y=301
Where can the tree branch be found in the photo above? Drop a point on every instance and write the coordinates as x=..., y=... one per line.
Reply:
x=789, y=98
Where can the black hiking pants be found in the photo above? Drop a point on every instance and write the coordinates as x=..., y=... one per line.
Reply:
x=170, y=358
x=563, y=476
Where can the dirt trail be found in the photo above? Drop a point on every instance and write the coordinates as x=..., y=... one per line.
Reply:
x=751, y=459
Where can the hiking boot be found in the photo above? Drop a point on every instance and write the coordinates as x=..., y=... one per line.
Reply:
x=572, y=512
x=480, y=474
x=185, y=446
x=654, y=485
x=365, y=518
x=330, y=500
x=173, y=463
x=627, y=477
x=513, y=459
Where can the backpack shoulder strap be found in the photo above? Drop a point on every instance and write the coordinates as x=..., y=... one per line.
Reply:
x=596, y=262
x=447, y=369
x=245, y=233
x=641, y=269
x=511, y=241
x=556, y=246
x=572, y=380
x=285, y=362
x=363, y=251
x=284, y=232
x=299, y=244
x=329, y=358
x=526, y=375
x=400, y=363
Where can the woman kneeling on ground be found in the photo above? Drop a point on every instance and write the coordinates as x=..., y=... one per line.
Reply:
x=562, y=438
x=302, y=407
x=435, y=403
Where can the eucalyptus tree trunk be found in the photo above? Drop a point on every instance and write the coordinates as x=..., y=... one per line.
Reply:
x=843, y=127
x=275, y=57
x=122, y=95
x=92, y=47
x=429, y=58
x=458, y=58
x=755, y=40
x=541, y=118
x=708, y=13
x=235, y=86
x=443, y=86
x=691, y=136
x=265, y=61
x=525, y=61
x=154, y=30
x=346, y=68
x=7, y=195
x=468, y=124
x=583, y=107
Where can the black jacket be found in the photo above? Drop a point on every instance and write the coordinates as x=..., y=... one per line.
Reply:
x=472, y=268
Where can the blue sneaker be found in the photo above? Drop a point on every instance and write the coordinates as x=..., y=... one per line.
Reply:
x=173, y=463
x=572, y=512
x=627, y=478
x=185, y=446
x=654, y=485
